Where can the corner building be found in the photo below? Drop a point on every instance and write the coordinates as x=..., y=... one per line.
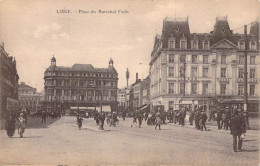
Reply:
x=80, y=85
x=203, y=68
x=8, y=84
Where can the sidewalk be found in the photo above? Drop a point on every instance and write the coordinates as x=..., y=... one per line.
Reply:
x=212, y=126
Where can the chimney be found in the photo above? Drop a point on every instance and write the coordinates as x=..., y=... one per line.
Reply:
x=136, y=77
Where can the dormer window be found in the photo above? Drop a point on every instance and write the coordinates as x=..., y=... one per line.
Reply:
x=194, y=44
x=171, y=42
x=241, y=45
x=205, y=44
x=253, y=45
x=183, y=43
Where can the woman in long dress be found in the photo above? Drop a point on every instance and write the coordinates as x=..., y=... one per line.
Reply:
x=22, y=123
x=158, y=120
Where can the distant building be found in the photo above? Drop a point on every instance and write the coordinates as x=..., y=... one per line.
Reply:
x=203, y=67
x=123, y=97
x=80, y=85
x=8, y=83
x=29, y=97
x=141, y=92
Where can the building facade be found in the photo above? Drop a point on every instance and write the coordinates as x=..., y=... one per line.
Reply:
x=80, y=85
x=29, y=97
x=8, y=83
x=201, y=68
x=141, y=92
x=123, y=96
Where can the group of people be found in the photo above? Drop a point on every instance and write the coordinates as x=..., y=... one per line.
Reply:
x=13, y=120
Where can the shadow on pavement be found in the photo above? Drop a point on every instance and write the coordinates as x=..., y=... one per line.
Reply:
x=37, y=122
x=250, y=150
x=250, y=140
x=28, y=137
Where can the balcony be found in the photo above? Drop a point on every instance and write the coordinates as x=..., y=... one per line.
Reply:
x=240, y=80
x=223, y=79
x=252, y=80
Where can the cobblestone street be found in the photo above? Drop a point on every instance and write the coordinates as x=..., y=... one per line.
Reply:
x=61, y=142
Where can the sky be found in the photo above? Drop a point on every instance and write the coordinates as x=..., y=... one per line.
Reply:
x=33, y=31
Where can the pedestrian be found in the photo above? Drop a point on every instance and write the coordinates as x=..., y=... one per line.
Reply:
x=113, y=120
x=197, y=119
x=191, y=117
x=204, y=118
x=237, y=127
x=21, y=125
x=175, y=114
x=183, y=115
x=227, y=117
x=158, y=120
x=134, y=119
x=79, y=120
x=219, y=118
x=44, y=117
x=140, y=119
x=223, y=123
x=10, y=125
x=102, y=120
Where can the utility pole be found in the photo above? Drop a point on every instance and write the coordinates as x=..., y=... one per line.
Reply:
x=245, y=80
x=127, y=77
x=184, y=75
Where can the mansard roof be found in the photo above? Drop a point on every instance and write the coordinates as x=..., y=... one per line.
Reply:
x=24, y=86
x=175, y=28
x=81, y=67
x=221, y=30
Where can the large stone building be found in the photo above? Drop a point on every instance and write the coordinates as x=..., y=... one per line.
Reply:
x=8, y=83
x=29, y=97
x=203, y=67
x=80, y=85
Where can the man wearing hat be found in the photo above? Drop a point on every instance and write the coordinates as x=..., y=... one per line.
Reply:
x=204, y=118
x=237, y=127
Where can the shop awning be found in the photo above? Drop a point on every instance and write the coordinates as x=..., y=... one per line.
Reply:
x=105, y=108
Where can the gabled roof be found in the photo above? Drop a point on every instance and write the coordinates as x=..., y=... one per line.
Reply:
x=224, y=44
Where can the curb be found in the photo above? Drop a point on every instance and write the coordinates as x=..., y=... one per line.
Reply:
x=210, y=129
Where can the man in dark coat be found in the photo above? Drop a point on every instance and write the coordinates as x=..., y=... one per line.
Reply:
x=237, y=127
x=227, y=117
x=10, y=124
x=44, y=117
x=101, y=118
x=191, y=117
x=204, y=118
x=140, y=118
